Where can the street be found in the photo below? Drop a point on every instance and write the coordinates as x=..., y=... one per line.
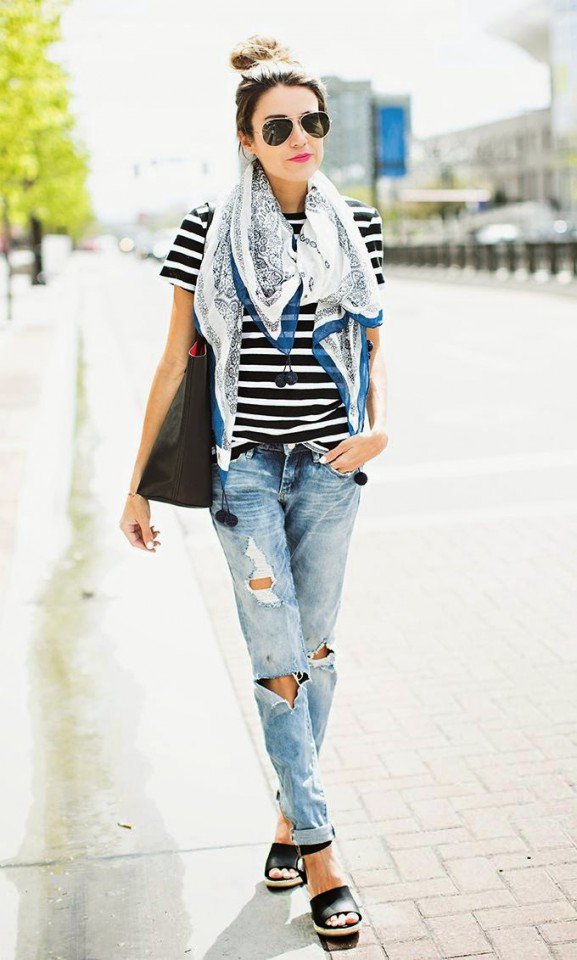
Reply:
x=139, y=798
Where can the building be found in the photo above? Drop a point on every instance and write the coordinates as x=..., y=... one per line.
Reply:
x=547, y=30
x=370, y=135
x=349, y=146
x=529, y=157
x=513, y=158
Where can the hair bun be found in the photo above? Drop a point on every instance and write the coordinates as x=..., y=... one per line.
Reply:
x=255, y=49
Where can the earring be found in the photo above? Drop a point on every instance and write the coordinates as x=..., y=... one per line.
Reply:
x=249, y=158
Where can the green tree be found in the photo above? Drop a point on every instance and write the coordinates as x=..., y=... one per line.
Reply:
x=43, y=167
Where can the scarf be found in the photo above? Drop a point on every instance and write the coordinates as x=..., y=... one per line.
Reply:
x=253, y=260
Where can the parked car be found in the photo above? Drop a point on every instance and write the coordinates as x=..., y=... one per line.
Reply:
x=497, y=233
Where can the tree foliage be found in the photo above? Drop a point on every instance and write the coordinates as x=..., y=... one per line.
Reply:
x=43, y=165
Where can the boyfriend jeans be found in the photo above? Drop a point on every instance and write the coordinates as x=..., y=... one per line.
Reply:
x=295, y=519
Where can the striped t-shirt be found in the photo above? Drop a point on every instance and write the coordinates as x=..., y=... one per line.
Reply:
x=310, y=409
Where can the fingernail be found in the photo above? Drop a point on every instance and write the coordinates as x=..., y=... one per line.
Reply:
x=322, y=460
x=150, y=545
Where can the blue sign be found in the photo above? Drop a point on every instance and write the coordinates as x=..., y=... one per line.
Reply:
x=391, y=124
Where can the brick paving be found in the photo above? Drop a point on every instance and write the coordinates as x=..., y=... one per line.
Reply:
x=450, y=761
x=450, y=765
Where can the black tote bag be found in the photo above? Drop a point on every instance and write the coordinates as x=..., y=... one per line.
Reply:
x=179, y=468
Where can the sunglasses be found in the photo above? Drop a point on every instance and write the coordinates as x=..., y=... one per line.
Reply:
x=278, y=129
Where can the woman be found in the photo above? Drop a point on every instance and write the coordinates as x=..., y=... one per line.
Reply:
x=287, y=266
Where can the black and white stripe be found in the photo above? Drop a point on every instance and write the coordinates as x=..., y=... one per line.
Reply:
x=310, y=409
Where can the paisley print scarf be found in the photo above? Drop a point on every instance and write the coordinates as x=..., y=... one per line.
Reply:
x=252, y=259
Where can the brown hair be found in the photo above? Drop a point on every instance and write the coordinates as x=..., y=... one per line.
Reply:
x=264, y=63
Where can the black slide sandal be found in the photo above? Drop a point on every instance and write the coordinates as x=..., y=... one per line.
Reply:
x=335, y=901
x=283, y=855
x=331, y=902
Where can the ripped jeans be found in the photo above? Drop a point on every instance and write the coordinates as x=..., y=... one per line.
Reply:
x=287, y=557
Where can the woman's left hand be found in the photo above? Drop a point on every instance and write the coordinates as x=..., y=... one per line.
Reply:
x=356, y=450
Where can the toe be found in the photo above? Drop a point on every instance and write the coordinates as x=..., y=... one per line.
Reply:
x=336, y=919
x=287, y=873
x=342, y=919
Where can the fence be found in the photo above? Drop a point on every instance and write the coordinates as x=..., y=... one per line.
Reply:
x=526, y=257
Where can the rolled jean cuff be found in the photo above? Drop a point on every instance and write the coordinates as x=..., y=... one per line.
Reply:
x=313, y=835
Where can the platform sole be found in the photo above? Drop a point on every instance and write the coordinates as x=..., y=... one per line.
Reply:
x=284, y=882
x=345, y=931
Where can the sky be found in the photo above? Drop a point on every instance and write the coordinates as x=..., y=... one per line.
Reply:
x=152, y=85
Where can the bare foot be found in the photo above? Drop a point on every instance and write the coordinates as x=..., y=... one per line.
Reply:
x=323, y=873
x=283, y=835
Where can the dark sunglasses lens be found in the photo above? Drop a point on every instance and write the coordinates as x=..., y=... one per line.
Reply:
x=317, y=124
x=276, y=131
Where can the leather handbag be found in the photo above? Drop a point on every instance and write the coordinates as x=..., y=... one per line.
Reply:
x=179, y=467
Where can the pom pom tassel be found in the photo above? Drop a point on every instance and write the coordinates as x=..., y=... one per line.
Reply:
x=225, y=515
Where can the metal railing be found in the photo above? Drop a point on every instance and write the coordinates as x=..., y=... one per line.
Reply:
x=505, y=257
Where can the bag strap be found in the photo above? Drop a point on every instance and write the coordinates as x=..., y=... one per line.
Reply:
x=209, y=217
x=200, y=339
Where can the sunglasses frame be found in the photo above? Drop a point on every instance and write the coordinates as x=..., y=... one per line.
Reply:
x=275, y=120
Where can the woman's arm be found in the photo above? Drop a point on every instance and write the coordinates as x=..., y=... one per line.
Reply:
x=357, y=449
x=135, y=520
x=169, y=372
x=377, y=392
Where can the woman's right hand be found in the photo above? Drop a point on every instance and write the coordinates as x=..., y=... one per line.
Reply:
x=135, y=524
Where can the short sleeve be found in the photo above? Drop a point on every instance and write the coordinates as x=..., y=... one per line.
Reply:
x=374, y=241
x=182, y=262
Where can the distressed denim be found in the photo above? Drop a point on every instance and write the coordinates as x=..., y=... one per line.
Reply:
x=295, y=519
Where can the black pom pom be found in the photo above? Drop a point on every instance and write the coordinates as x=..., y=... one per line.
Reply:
x=361, y=478
x=280, y=379
x=291, y=377
x=226, y=517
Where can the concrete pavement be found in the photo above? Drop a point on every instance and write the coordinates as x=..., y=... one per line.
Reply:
x=125, y=833
x=451, y=756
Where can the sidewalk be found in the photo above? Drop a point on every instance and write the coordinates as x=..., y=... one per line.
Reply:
x=123, y=833
x=37, y=407
x=451, y=755
x=38, y=352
